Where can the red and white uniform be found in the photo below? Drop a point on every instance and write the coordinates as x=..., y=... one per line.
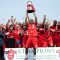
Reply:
x=55, y=36
x=16, y=34
x=41, y=38
x=32, y=36
x=48, y=39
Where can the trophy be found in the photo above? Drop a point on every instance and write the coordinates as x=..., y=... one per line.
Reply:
x=30, y=7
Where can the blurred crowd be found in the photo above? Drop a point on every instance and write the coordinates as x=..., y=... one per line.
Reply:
x=30, y=33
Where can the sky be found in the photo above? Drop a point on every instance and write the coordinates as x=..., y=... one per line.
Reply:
x=17, y=8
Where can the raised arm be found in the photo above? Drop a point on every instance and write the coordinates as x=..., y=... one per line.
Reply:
x=35, y=18
x=44, y=19
x=8, y=23
x=27, y=18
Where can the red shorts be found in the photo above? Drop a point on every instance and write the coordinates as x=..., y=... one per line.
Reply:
x=31, y=42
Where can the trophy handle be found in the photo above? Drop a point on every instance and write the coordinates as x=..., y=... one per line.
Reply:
x=29, y=2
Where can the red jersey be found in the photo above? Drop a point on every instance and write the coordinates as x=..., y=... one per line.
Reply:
x=10, y=34
x=41, y=40
x=55, y=36
x=48, y=38
x=32, y=30
x=58, y=39
x=53, y=27
x=16, y=34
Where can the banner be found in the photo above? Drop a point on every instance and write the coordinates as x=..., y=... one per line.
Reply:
x=14, y=53
x=50, y=53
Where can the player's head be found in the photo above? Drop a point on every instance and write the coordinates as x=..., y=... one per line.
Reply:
x=54, y=23
x=12, y=17
x=31, y=21
x=46, y=26
x=17, y=27
x=11, y=27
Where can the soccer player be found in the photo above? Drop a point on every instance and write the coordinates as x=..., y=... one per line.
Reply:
x=31, y=33
x=48, y=36
x=17, y=32
x=41, y=37
x=54, y=33
x=58, y=35
x=10, y=41
x=24, y=36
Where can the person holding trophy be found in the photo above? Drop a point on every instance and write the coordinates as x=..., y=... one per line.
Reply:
x=32, y=30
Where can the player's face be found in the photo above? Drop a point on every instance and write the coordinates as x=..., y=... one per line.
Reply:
x=31, y=21
x=24, y=27
x=11, y=28
x=11, y=17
